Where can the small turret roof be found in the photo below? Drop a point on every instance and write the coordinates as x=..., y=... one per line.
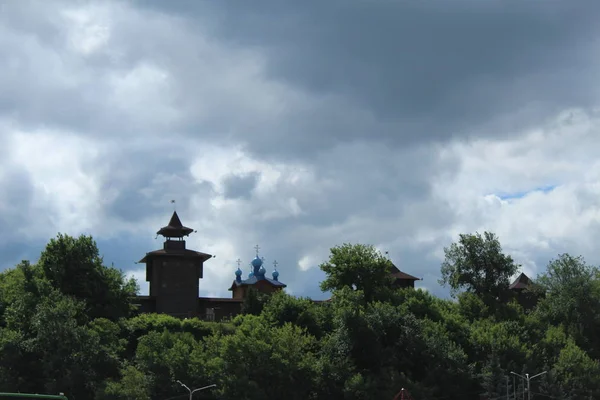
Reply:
x=184, y=253
x=253, y=280
x=522, y=282
x=175, y=228
x=396, y=273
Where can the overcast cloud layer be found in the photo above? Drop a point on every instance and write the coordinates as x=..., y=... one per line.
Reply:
x=300, y=126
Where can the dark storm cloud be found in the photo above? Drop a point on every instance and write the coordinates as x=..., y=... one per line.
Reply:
x=424, y=70
x=17, y=194
x=355, y=91
x=390, y=71
x=239, y=186
x=19, y=218
x=124, y=252
x=47, y=82
x=19, y=215
x=16, y=249
x=382, y=180
x=140, y=180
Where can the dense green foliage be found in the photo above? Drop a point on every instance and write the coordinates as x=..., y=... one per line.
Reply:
x=66, y=325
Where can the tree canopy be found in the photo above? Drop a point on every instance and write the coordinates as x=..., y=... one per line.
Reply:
x=66, y=326
x=477, y=264
x=357, y=266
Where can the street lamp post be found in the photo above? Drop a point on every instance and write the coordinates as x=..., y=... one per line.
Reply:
x=195, y=390
x=528, y=378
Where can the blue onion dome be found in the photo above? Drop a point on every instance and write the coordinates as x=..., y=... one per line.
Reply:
x=238, y=272
x=257, y=262
x=251, y=274
x=275, y=274
x=262, y=271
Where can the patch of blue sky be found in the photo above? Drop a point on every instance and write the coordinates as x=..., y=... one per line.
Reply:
x=520, y=195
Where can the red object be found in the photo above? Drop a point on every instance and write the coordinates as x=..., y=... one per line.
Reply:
x=403, y=395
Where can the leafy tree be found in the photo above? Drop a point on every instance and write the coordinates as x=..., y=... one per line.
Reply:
x=572, y=299
x=472, y=306
x=54, y=351
x=494, y=379
x=12, y=285
x=165, y=356
x=110, y=344
x=578, y=372
x=64, y=326
x=75, y=267
x=133, y=385
x=254, y=302
x=259, y=361
x=22, y=289
x=360, y=267
x=303, y=312
x=476, y=264
x=13, y=361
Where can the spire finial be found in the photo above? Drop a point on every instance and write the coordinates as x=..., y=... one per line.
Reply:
x=275, y=273
x=238, y=261
x=173, y=202
x=257, y=247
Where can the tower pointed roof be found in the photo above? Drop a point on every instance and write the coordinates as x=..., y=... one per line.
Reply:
x=397, y=274
x=522, y=282
x=175, y=228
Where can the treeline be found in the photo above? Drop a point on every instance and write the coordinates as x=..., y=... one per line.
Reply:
x=67, y=325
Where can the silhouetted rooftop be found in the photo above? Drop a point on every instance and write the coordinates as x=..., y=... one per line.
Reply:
x=175, y=228
x=522, y=282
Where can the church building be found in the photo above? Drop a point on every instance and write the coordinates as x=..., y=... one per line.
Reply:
x=174, y=274
x=174, y=271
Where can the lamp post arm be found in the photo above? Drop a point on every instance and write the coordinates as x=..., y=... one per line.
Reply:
x=182, y=384
x=520, y=376
x=202, y=388
x=541, y=373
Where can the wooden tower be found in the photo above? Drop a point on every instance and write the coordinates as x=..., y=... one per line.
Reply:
x=173, y=272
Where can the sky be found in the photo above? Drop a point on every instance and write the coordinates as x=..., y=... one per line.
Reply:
x=299, y=126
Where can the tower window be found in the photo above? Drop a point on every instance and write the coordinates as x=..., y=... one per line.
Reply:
x=210, y=314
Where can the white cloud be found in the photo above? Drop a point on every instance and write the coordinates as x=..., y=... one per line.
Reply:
x=142, y=88
x=306, y=263
x=59, y=164
x=539, y=222
x=110, y=109
x=88, y=28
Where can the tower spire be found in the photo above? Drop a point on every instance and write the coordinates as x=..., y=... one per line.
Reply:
x=175, y=228
x=275, y=272
x=257, y=263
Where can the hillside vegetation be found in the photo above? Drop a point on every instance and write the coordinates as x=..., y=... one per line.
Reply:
x=66, y=325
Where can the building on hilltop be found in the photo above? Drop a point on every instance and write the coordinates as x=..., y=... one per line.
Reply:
x=256, y=279
x=402, y=279
x=520, y=289
x=521, y=283
x=173, y=274
x=174, y=271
